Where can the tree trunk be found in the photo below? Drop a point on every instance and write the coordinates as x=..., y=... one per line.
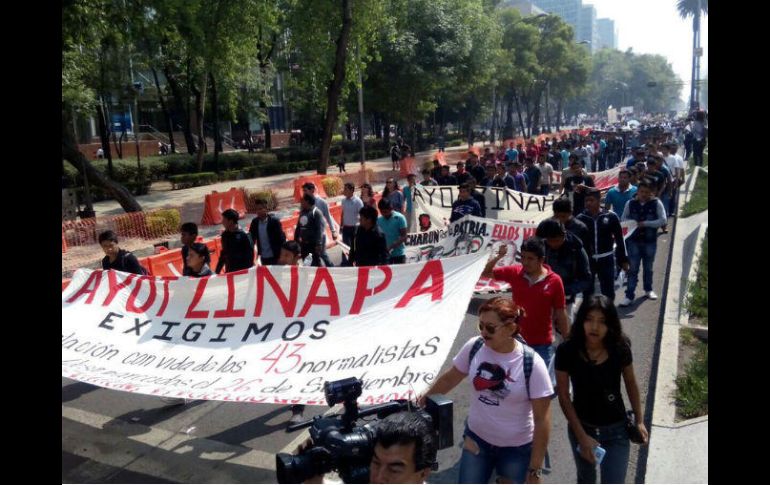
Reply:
x=118, y=142
x=386, y=131
x=104, y=136
x=518, y=110
x=200, y=99
x=547, y=110
x=335, y=87
x=266, y=129
x=215, y=115
x=71, y=153
x=176, y=92
x=536, y=113
x=508, y=132
x=494, y=119
x=559, y=103
x=166, y=112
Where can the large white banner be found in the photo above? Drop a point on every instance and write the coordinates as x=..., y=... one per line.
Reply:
x=603, y=180
x=472, y=235
x=271, y=334
x=504, y=204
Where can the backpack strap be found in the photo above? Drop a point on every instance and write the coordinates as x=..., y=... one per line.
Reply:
x=529, y=358
x=476, y=347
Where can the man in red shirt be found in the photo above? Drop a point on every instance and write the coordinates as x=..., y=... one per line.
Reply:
x=539, y=290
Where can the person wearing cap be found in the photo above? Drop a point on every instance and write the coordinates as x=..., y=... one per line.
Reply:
x=323, y=207
x=604, y=232
x=647, y=210
x=310, y=229
x=461, y=175
x=576, y=184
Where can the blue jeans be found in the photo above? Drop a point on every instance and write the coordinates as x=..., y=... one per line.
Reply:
x=545, y=351
x=510, y=462
x=614, y=439
x=666, y=201
x=604, y=268
x=644, y=253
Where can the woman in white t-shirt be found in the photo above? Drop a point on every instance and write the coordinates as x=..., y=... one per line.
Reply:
x=508, y=422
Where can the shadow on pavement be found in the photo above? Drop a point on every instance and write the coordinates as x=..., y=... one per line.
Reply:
x=74, y=391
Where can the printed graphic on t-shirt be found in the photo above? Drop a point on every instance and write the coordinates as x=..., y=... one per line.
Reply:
x=490, y=382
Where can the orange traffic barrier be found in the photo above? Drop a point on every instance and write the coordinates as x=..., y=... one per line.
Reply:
x=316, y=179
x=65, y=284
x=167, y=263
x=440, y=156
x=217, y=202
x=63, y=243
x=406, y=167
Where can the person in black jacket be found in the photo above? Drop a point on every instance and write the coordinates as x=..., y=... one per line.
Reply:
x=369, y=247
x=237, y=246
x=562, y=212
x=310, y=229
x=477, y=196
x=116, y=258
x=565, y=254
x=188, y=233
x=604, y=231
x=266, y=231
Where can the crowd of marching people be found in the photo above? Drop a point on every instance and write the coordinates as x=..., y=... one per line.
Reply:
x=514, y=366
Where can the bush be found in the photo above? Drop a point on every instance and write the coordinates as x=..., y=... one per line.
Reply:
x=269, y=195
x=192, y=180
x=454, y=143
x=251, y=172
x=692, y=394
x=163, y=222
x=230, y=175
x=333, y=186
x=336, y=138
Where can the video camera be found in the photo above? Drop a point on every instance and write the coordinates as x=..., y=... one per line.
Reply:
x=340, y=445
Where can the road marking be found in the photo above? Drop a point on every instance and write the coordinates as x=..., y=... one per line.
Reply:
x=131, y=455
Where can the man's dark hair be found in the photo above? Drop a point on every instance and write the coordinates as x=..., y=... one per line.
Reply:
x=202, y=250
x=384, y=204
x=230, y=214
x=291, y=246
x=593, y=192
x=350, y=186
x=643, y=183
x=261, y=202
x=534, y=245
x=562, y=205
x=369, y=213
x=409, y=427
x=309, y=199
x=550, y=228
x=624, y=171
x=189, y=228
x=108, y=236
x=464, y=186
x=471, y=181
x=425, y=171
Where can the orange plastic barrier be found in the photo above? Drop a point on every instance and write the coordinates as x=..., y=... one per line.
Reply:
x=63, y=243
x=65, y=284
x=316, y=179
x=167, y=263
x=475, y=150
x=217, y=202
x=440, y=156
x=406, y=167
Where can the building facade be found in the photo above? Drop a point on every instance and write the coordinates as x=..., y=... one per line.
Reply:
x=586, y=29
x=525, y=7
x=607, y=37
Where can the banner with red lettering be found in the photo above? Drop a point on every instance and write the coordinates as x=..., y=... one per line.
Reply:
x=433, y=205
x=603, y=180
x=271, y=334
x=474, y=235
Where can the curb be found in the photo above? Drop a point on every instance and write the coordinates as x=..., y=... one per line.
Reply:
x=675, y=317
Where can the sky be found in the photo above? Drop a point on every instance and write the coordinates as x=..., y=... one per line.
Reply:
x=655, y=27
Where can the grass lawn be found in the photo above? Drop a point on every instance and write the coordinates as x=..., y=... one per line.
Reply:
x=698, y=296
x=699, y=201
x=692, y=394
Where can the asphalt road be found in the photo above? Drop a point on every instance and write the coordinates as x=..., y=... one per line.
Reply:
x=116, y=437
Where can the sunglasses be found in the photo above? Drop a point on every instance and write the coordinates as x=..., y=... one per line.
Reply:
x=489, y=328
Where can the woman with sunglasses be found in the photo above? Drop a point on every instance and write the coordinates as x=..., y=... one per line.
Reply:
x=509, y=418
x=394, y=194
x=594, y=357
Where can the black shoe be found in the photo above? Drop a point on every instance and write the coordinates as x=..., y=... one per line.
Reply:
x=297, y=412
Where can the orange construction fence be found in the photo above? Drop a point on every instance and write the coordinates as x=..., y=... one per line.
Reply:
x=145, y=225
x=217, y=202
x=316, y=179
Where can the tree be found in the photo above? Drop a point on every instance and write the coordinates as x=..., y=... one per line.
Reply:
x=693, y=8
x=85, y=25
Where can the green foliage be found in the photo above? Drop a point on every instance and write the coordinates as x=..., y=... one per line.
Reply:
x=162, y=222
x=692, y=394
x=699, y=200
x=698, y=295
x=188, y=180
x=333, y=186
x=268, y=195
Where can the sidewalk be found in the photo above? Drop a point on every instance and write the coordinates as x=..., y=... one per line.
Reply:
x=678, y=451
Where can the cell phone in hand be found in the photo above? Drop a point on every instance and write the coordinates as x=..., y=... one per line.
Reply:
x=599, y=453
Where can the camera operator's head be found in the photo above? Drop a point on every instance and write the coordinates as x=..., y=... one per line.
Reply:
x=405, y=449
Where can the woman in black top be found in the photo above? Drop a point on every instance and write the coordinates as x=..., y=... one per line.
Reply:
x=593, y=359
x=116, y=258
x=198, y=260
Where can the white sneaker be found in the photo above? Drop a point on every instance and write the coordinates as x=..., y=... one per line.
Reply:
x=651, y=295
x=625, y=301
